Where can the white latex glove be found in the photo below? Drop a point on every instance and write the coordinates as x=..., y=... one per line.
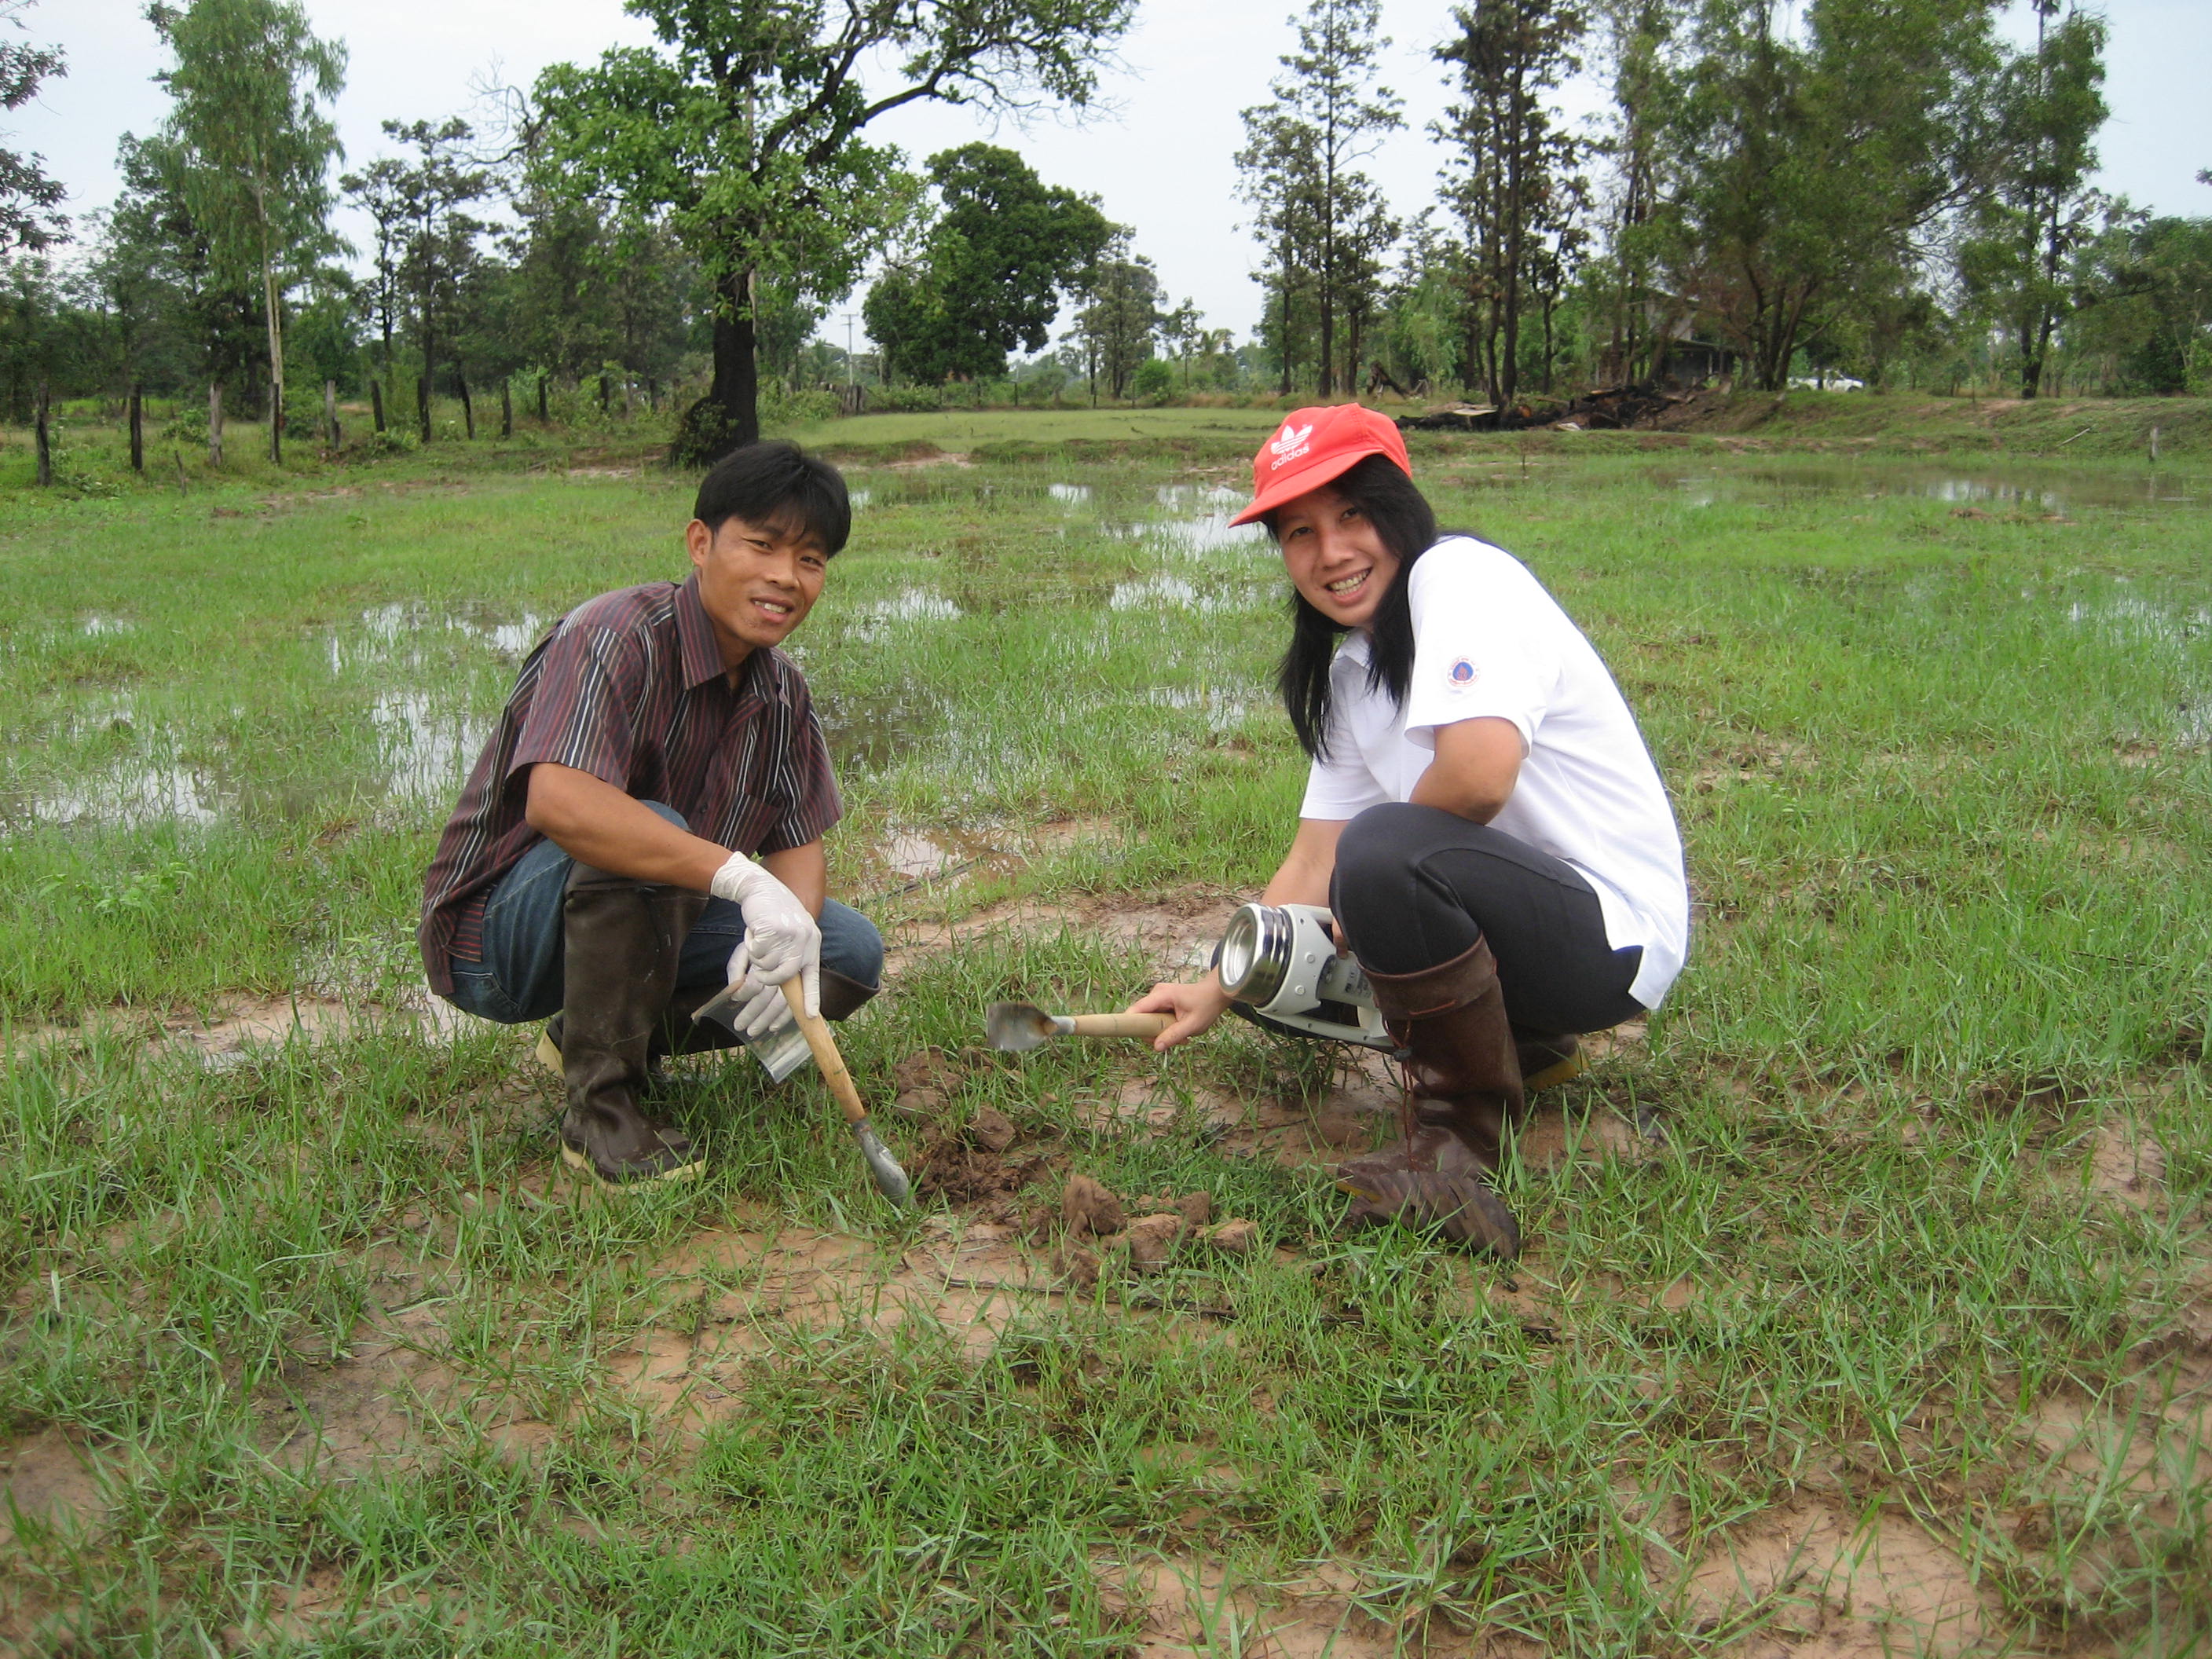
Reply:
x=760, y=1012
x=783, y=940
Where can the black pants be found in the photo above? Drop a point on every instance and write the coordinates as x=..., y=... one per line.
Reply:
x=1416, y=886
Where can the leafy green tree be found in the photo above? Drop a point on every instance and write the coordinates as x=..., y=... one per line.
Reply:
x=28, y=196
x=1319, y=216
x=745, y=130
x=1121, y=316
x=191, y=319
x=1278, y=179
x=2145, y=303
x=439, y=253
x=991, y=270
x=380, y=190
x=1512, y=180
x=248, y=83
x=2025, y=228
x=1804, y=165
x=1639, y=315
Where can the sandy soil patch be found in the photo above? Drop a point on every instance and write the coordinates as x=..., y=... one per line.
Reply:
x=1835, y=1586
x=1174, y=933
x=1181, y=1607
x=48, y=1481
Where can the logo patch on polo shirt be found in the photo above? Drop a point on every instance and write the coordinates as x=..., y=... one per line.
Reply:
x=1463, y=674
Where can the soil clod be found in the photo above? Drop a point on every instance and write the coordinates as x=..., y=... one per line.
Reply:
x=1152, y=1240
x=992, y=1129
x=1232, y=1237
x=1088, y=1207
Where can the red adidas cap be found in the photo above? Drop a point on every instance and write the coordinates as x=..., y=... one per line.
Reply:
x=1315, y=446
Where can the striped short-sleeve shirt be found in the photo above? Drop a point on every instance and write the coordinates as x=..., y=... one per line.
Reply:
x=631, y=688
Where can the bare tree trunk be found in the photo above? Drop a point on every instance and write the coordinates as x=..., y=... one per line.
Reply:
x=331, y=433
x=138, y=428
x=542, y=415
x=214, y=424
x=507, y=407
x=44, y=440
x=271, y=298
x=468, y=405
x=422, y=405
x=376, y=403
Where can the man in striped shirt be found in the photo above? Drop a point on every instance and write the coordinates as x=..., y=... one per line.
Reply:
x=644, y=825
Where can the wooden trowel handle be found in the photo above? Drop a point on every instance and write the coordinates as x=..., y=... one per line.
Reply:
x=831, y=1064
x=1119, y=1025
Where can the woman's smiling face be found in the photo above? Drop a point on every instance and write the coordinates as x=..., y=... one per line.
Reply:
x=1336, y=558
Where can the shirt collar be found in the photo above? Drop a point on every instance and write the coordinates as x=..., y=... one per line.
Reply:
x=702, y=656
x=1354, y=648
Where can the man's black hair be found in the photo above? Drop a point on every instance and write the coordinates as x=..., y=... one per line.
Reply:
x=1408, y=527
x=777, y=487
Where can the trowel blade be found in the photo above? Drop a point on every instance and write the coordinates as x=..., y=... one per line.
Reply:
x=1016, y=1027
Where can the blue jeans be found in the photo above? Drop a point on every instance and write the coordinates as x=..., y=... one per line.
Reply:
x=519, y=977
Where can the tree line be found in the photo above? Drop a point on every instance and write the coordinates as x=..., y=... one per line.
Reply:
x=1878, y=187
x=1882, y=190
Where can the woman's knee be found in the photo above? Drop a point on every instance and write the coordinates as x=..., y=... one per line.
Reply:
x=1374, y=857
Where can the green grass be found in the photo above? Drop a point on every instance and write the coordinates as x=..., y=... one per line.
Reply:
x=1945, y=783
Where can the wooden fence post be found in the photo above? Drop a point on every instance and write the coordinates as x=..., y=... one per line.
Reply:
x=422, y=404
x=214, y=424
x=376, y=403
x=542, y=415
x=44, y=440
x=468, y=405
x=137, y=428
x=506, y=406
x=330, y=414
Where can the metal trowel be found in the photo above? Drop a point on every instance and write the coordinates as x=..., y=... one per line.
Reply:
x=1017, y=1027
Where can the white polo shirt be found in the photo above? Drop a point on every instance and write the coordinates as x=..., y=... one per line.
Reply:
x=1489, y=640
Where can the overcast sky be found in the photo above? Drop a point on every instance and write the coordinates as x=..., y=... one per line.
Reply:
x=1160, y=157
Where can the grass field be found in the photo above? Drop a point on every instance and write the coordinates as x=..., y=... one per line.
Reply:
x=1868, y=1302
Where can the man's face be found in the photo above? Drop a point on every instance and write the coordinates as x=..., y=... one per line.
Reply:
x=756, y=583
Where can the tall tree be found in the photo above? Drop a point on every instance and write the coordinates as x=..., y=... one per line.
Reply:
x=28, y=196
x=1512, y=182
x=746, y=130
x=1120, y=317
x=440, y=250
x=249, y=82
x=1318, y=211
x=2026, y=228
x=991, y=269
x=1278, y=179
x=380, y=190
x=1810, y=159
x=1638, y=312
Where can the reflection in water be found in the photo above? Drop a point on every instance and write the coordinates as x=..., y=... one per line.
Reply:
x=874, y=733
x=1069, y=495
x=2043, y=490
x=858, y=499
x=95, y=625
x=428, y=750
x=1161, y=592
x=909, y=605
x=131, y=795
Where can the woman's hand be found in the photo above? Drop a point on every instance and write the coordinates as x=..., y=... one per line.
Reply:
x=1194, y=1006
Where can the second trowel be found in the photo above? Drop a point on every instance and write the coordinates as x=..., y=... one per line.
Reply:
x=1017, y=1027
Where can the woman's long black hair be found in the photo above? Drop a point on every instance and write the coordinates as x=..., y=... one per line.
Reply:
x=1403, y=519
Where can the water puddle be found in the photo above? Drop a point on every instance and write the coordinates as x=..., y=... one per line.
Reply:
x=2041, y=490
x=868, y=734
x=130, y=796
x=390, y=635
x=872, y=623
x=1163, y=592
x=1069, y=495
x=427, y=749
x=857, y=499
x=1223, y=712
x=96, y=626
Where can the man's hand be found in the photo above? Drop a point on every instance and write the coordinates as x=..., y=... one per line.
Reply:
x=783, y=939
x=1196, y=1006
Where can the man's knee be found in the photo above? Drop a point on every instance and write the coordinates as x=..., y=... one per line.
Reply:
x=851, y=945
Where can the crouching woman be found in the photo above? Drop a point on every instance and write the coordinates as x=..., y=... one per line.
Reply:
x=1481, y=815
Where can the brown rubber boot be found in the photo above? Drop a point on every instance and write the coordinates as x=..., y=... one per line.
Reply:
x=621, y=939
x=1463, y=1088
